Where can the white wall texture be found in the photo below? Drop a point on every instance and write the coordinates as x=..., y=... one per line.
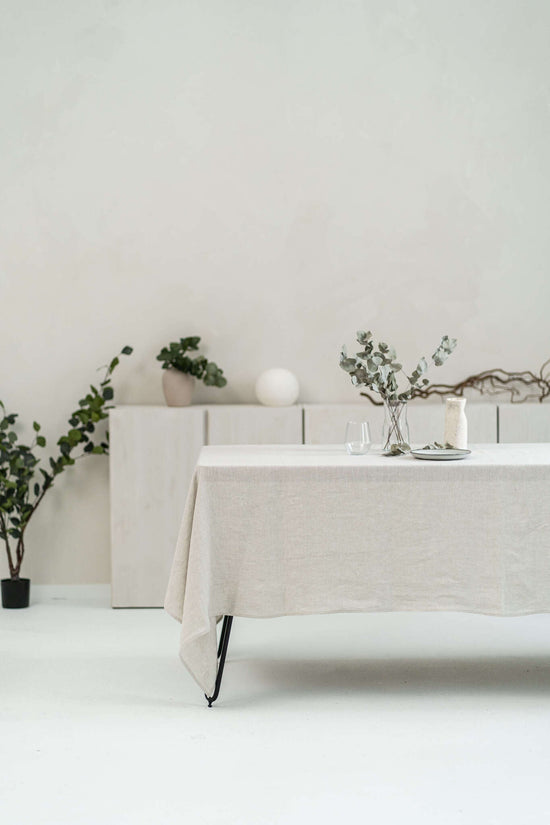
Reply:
x=271, y=176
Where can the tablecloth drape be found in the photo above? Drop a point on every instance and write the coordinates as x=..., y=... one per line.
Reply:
x=272, y=531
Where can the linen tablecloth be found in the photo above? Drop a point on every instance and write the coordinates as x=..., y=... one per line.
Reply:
x=276, y=530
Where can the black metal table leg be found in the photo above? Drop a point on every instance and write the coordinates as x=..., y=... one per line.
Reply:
x=222, y=636
x=222, y=653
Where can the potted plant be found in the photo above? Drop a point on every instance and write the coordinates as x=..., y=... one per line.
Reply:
x=23, y=483
x=379, y=371
x=181, y=370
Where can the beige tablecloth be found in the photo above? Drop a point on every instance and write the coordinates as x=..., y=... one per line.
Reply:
x=272, y=531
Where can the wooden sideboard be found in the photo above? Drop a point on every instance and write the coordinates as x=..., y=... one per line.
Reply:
x=154, y=451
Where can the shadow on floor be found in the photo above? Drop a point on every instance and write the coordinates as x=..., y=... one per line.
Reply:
x=403, y=676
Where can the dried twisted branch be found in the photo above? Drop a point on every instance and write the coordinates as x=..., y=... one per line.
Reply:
x=519, y=386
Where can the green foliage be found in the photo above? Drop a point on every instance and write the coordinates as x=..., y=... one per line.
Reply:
x=23, y=483
x=378, y=368
x=435, y=445
x=174, y=357
x=398, y=449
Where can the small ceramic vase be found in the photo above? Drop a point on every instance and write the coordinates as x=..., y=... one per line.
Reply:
x=178, y=387
x=456, y=423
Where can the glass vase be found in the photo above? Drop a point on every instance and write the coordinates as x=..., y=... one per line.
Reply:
x=395, y=434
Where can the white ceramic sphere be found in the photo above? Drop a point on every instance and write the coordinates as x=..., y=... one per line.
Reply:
x=277, y=388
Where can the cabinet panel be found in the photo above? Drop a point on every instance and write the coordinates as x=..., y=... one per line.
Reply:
x=427, y=423
x=251, y=424
x=326, y=423
x=152, y=457
x=521, y=423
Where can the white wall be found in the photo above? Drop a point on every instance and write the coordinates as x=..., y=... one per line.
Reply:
x=271, y=176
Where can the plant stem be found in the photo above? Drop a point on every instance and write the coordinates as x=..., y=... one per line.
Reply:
x=20, y=551
x=38, y=500
x=8, y=548
x=394, y=412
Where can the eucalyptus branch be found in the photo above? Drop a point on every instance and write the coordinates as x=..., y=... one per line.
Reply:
x=377, y=368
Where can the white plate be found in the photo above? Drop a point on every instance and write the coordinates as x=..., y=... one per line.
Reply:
x=440, y=455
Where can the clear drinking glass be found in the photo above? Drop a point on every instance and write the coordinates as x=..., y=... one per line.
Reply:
x=357, y=437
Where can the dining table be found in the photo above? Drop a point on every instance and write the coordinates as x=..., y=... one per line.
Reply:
x=271, y=530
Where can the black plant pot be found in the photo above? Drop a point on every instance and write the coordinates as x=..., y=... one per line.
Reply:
x=16, y=592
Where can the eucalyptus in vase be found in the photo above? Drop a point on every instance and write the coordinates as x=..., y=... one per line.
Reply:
x=379, y=371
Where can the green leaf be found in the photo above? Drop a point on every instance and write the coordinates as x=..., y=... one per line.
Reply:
x=40, y=440
x=348, y=364
x=398, y=449
x=384, y=372
x=443, y=351
x=435, y=445
x=127, y=350
x=108, y=393
x=36, y=426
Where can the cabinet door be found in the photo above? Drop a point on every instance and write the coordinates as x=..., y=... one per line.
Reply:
x=326, y=423
x=427, y=422
x=252, y=424
x=521, y=423
x=152, y=457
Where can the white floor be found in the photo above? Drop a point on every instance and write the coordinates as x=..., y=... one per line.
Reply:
x=399, y=718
